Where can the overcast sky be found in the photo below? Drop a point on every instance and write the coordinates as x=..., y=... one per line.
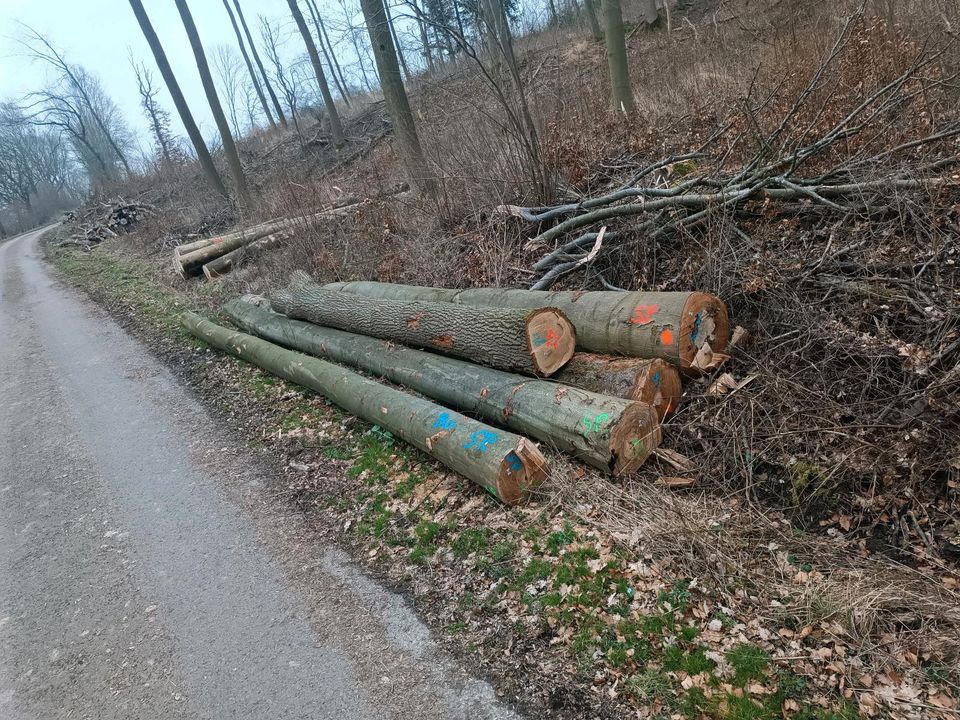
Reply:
x=99, y=33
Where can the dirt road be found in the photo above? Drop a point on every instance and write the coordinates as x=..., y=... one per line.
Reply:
x=135, y=579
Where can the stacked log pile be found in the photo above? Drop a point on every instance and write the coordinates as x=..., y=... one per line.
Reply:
x=95, y=223
x=487, y=353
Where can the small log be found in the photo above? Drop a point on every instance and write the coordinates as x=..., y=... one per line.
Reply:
x=508, y=466
x=610, y=433
x=687, y=329
x=533, y=342
x=651, y=381
x=226, y=263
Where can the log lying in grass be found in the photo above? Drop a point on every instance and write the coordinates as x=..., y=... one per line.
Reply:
x=189, y=259
x=654, y=382
x=226, y=263
x=690, y=330
x=610, y=433
x=508, y=466
x=533, y=342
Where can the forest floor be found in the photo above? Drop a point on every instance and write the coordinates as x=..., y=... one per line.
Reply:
x=811, y=572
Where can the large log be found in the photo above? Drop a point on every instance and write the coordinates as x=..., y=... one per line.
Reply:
x=508, y=466
x=533, y=342
x=612, y=434
x=687, y=329
x=651, y=381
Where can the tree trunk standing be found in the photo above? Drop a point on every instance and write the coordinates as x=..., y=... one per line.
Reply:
x=396, y=41
x=186, y=117
x=424, y=37
x=506, y=465
x=601, y=431
x=336, y=129
x=688, y=330
x=333, y=53
x=246, y=59
x=534, y=342
x=621, y=92
x=263, y=73
x=328, y=55
x=554, y=18
x=653, y=382
x=395, y=95
x=592, y=19
x=229, y=148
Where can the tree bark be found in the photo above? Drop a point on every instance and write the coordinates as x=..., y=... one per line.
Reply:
x=653, y=382
x=263, y=73
x=533, y=342
x=246, y=59
x=398, y=105
x=336, y=129
x=611, y=434
x=229, y=148
x=506, y=465
x=186, y=117
x=621, y=92
x=688, y=330
x=396, y=40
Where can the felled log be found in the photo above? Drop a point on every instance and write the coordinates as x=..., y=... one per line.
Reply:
x=226, y=263
x=533, y=342
x=654, y=382
x=612, y=434
x=508, y=466
x=687, y=329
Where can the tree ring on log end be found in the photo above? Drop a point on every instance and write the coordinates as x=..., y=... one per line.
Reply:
x=705, y=325
x=658, y=385
x=551, y=339
x=523, y=469
x=636, y=435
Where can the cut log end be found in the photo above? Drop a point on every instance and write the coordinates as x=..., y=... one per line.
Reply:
x=551, y=338
x=522, y=470
x=658, y=384
x=704, y=333
x=634, y=438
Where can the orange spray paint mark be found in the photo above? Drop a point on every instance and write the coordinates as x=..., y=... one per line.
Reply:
x=643, y=314
x=666, y=337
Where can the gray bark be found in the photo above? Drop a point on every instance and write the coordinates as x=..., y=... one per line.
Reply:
x=336, y=129
x=246, y=59
x=678, y=327
x=599, y=430
x=506, y=465
x=533, y=342
x=621, y=92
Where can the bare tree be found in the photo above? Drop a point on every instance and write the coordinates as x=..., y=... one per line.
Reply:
x=398, y=105
x=165, y=146
x=591, y=12
x=355, y=33
x=285, y=78
x=80, y=94
x=229, y=69
x=621, y=92
x=229, y=148
x=328, y=53
x=246, y=59
x=336, y=129
x=256, y=57
x=183, y=110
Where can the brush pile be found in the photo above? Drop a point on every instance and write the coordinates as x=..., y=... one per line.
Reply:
x=486, y=352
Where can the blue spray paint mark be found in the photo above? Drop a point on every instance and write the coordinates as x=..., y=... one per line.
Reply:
x=445, y=422
x=656, y=378
x=514, y=461
x=696, y=328
x=539, y=339
x=480, y=439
